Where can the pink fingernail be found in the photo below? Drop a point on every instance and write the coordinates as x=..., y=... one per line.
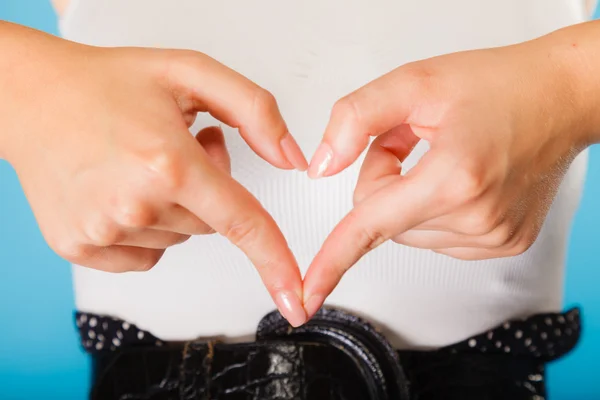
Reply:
x=313, y=304
x=290, y=307
x=320, y=161
x=293, y=153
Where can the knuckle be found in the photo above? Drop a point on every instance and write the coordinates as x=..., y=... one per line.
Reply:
x=134, y=214
x=69, y=250
x=179, y=59
x=466, y=185
x=422, y=79
x=169, y=63
x=363, y=238
x=358, y=196
x=347, y=108
x=418, y=72
x=186, y=57
x=480, y=224
x=175, y=65
x=435, y=97
x=263, y=102
x=244, y=231
x=368, y=239
x=102, y=233
x=166, y=167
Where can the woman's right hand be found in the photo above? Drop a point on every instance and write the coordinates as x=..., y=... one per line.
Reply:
x=99, y=139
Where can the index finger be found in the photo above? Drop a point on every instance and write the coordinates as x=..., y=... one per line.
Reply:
x=225, y=205
x=208, y=85
x=376, y=108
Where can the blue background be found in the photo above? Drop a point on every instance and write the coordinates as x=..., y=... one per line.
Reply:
x=39, y=354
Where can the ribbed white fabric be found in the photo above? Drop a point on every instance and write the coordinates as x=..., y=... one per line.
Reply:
x=309, y=53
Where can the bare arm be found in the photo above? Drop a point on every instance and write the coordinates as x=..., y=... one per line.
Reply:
x=76, y=121
x=503, y=125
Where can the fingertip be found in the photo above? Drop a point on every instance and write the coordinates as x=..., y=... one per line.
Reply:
x=319, y=282
x=313, y=304
x=212, y=140
x=336, y=152
x=293, y=153
x=291, y=308
x=211, y=136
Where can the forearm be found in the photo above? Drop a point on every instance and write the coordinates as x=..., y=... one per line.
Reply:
x=574, y=56
x=26, y=72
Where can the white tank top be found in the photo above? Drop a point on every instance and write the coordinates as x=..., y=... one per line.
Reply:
x=309, y=53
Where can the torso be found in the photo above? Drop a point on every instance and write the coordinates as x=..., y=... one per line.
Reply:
x=308, y=54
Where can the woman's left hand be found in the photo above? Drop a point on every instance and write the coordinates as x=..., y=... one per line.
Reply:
x=503, y=126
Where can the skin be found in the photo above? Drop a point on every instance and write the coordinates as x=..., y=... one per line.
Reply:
x=503, y=126
x=499, y=149
x=109, y=166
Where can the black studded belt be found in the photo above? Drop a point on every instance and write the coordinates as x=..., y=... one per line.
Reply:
x=336, y=356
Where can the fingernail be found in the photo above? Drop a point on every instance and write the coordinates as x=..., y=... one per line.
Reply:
x=313, y=304
x=320, y=161
x=293, y=153
x=290, y=307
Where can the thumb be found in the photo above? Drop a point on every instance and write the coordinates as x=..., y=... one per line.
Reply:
x=401, y=204
x=384, y=159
